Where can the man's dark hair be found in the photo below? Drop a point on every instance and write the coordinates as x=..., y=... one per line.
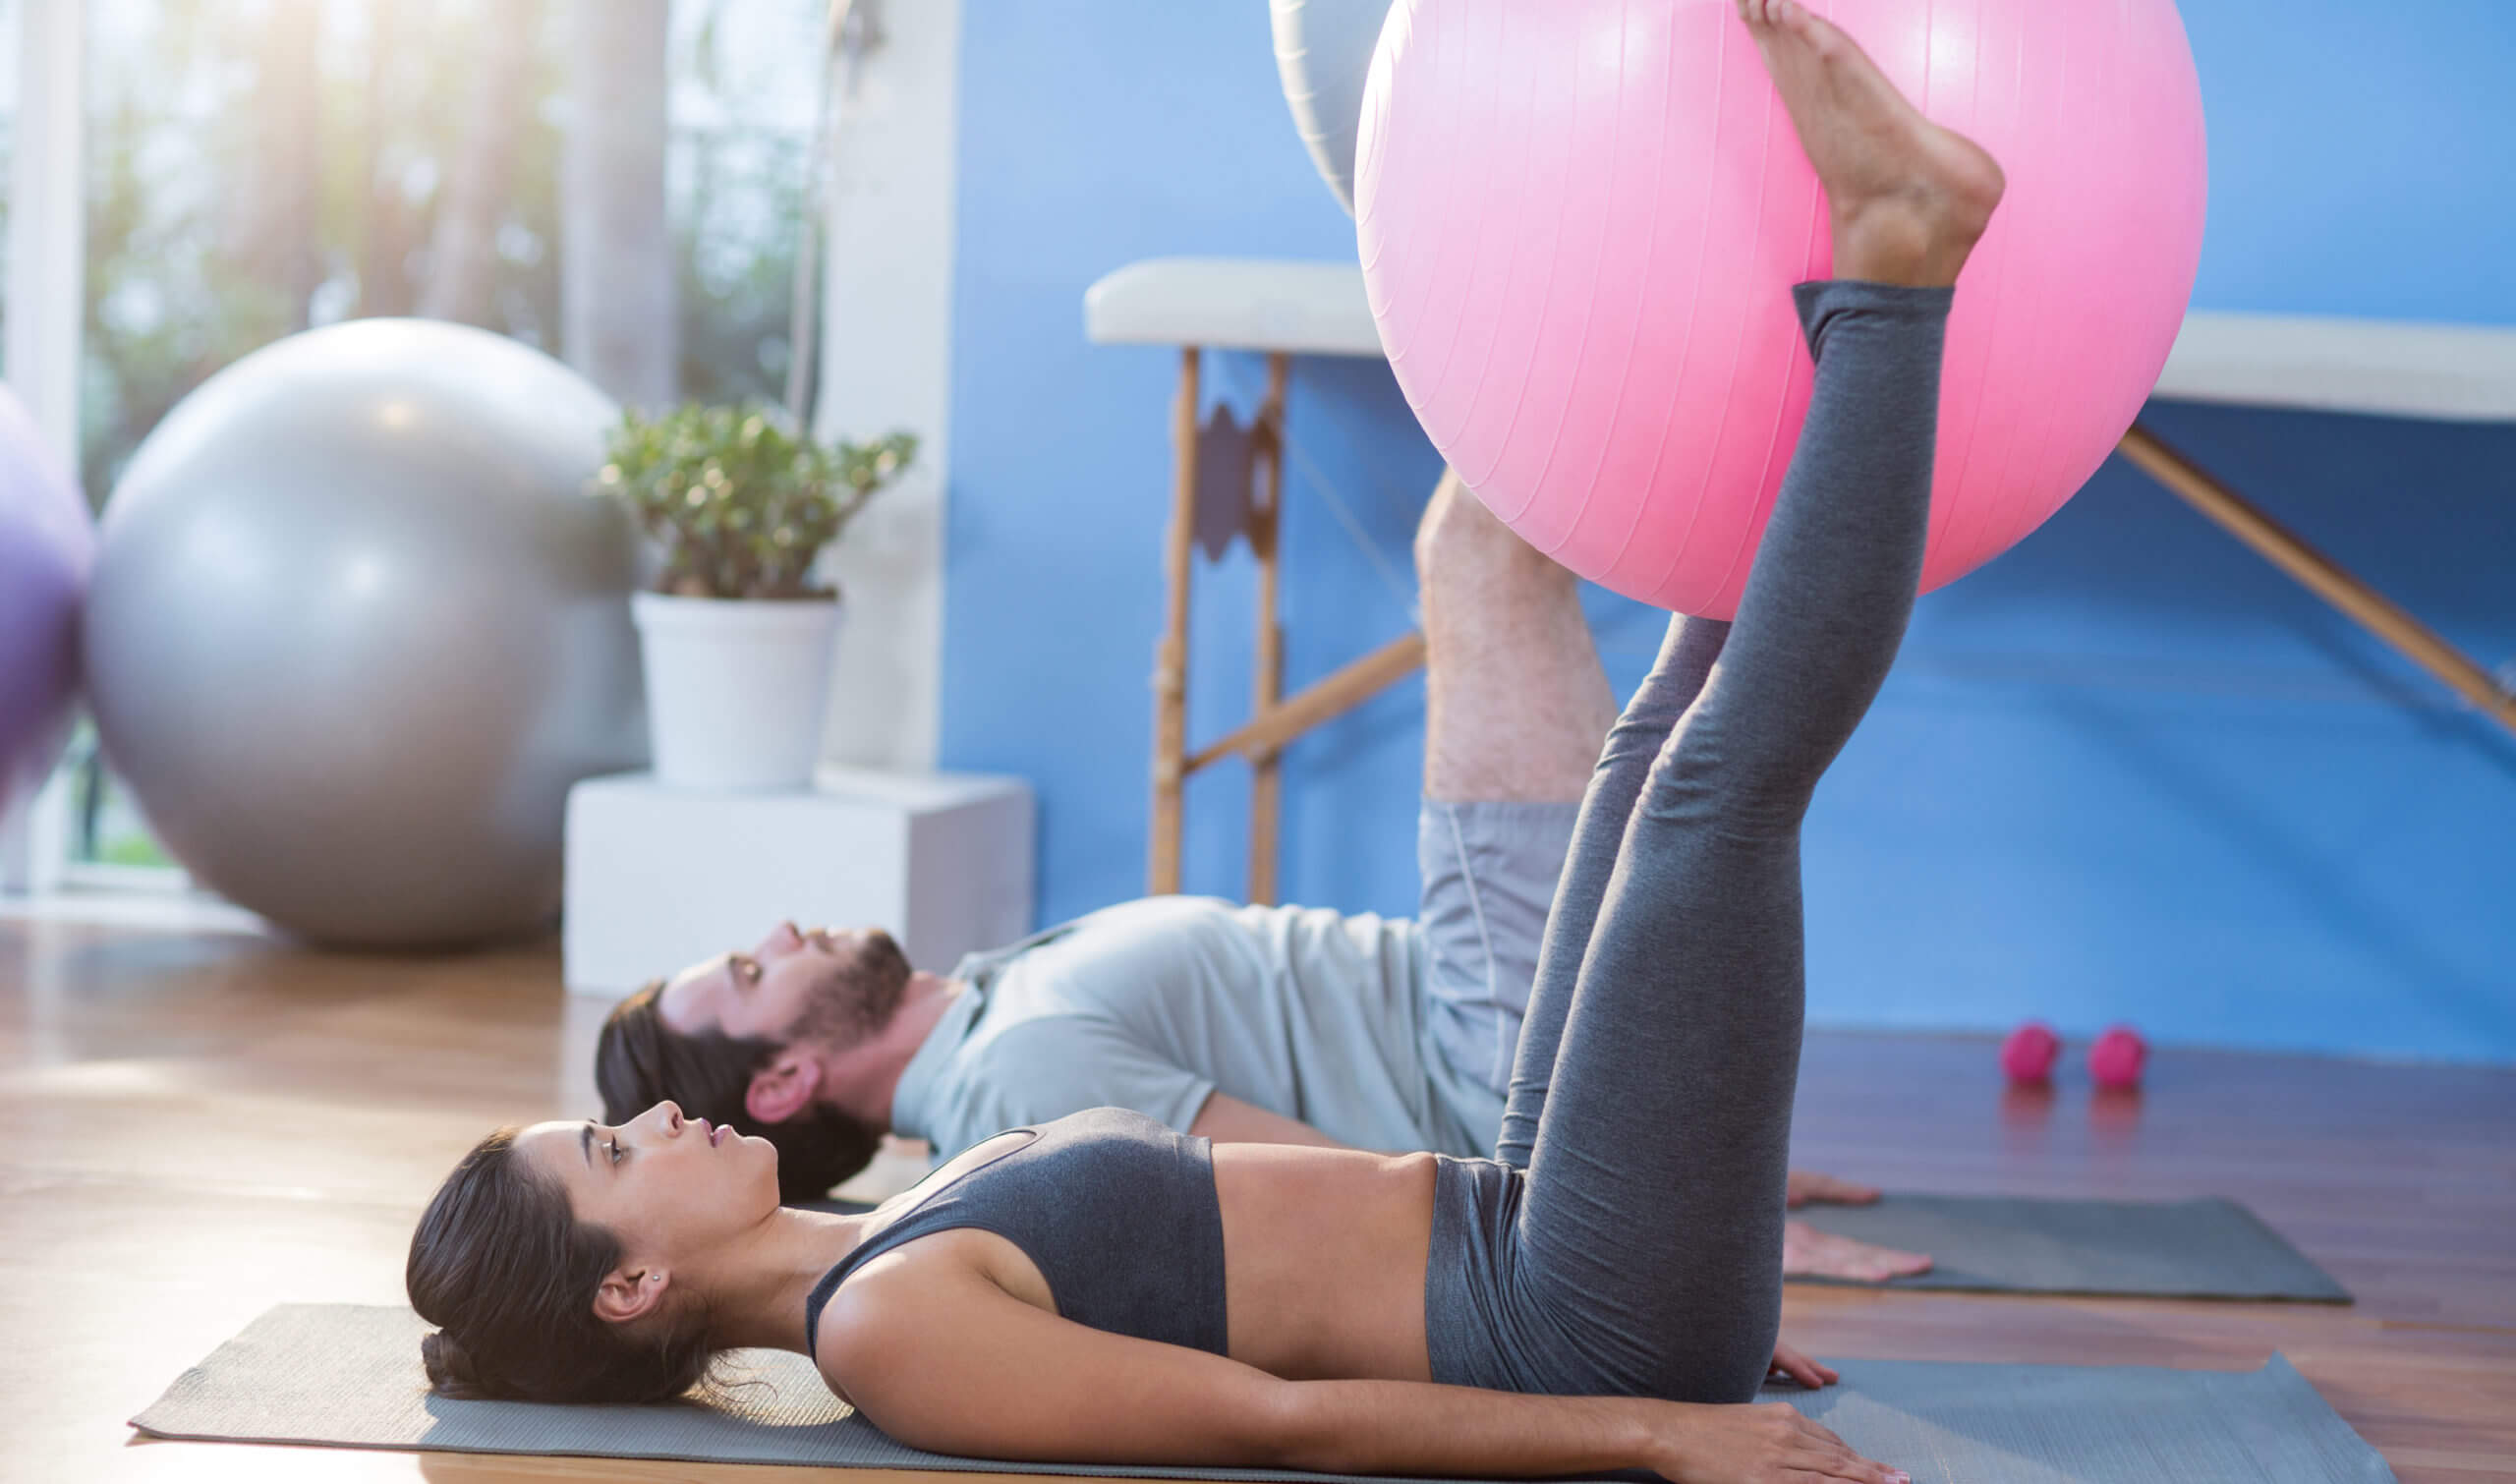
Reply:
x=640, y=1061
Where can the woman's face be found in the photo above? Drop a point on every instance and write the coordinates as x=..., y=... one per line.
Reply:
x=671, y=1188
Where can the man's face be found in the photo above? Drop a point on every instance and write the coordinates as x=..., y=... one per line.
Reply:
x=793, y=984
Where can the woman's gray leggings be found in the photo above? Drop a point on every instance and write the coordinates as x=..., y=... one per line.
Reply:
x=1627, y=1238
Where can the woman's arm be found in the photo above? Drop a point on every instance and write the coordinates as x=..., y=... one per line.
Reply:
x=939, y=1357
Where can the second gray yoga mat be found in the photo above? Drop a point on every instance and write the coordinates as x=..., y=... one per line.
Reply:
x=348, y=1376
x=2208, y=1248
x=2153, y=1249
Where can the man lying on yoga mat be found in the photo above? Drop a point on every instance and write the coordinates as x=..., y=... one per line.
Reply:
x=1281, y=1025
x=1601, y=1295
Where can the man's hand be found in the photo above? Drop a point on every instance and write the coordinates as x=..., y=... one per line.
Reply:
x=1790, y=1365
x=1807, y=1252
x=1807, y=1185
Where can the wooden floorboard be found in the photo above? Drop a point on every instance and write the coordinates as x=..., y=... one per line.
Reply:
x=203, y=1124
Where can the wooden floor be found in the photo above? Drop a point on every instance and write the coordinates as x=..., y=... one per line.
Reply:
x=201, y=1124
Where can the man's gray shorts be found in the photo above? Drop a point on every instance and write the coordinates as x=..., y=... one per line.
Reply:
x=1489, y=873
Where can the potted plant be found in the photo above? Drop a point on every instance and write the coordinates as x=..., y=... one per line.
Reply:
x=737, y=632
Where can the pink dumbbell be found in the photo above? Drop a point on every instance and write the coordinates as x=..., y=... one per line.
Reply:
x=2116, y=1059
x=2029, y=1053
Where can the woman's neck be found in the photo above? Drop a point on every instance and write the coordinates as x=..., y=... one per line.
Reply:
x=759, y=1302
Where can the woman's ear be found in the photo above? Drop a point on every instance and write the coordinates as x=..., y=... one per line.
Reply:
x=784, y=1088
x=626, y=1295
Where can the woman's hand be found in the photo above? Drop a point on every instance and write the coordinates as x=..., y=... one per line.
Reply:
x=1765, y=1444
x=1790, y=1365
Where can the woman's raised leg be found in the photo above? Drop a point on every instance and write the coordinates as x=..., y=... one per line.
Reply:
x=1687, y=655
x=1646, y=1251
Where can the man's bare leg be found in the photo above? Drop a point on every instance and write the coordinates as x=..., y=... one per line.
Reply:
x=1516, y=701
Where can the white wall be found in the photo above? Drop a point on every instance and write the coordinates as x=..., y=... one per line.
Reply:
x=886, y=363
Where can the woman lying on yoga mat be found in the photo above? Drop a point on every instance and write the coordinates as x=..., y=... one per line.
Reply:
x=1101, y=1289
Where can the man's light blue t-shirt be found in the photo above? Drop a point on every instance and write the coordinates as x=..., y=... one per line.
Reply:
x=1158, y=1004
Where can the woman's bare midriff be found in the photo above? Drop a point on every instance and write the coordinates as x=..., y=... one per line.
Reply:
x=1324, y=1254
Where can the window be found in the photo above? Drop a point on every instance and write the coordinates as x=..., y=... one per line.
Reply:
x=259, y=167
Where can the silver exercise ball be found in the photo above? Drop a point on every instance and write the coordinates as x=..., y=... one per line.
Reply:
x=357, y=624
x=1324, y=56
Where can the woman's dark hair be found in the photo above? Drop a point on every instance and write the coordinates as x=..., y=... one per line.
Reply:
x=640, y=1061
x=508, y=1274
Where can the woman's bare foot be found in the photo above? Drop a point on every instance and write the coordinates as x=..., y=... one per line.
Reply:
x=1909, y=199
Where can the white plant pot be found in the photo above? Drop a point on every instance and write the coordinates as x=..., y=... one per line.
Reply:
x=736, y=690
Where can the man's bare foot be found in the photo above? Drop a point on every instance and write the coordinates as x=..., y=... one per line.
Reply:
x=1909, y=199
x=1807, y=1252
x=1805, y=1185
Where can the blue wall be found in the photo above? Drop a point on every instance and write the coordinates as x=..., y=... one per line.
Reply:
x=2126, y=772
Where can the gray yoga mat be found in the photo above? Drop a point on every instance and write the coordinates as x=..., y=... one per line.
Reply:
x=347, y=1376
x=2153, y=1249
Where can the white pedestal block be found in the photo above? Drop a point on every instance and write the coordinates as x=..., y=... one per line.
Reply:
x=660, y=877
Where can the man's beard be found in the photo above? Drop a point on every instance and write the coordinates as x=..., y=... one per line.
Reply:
x=855, y=997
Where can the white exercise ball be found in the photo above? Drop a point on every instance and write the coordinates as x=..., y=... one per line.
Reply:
x=1324, y=56
x=357, y=624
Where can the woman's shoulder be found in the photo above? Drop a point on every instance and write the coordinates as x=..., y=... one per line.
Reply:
x=858, y=1315
x=921, y=1291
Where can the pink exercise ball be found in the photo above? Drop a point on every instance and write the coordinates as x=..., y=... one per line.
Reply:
x=1580, y=221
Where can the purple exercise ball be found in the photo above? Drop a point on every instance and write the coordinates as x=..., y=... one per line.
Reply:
x=47, y=543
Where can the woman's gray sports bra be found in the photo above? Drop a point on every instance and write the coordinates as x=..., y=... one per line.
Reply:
x=1117, y=1211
